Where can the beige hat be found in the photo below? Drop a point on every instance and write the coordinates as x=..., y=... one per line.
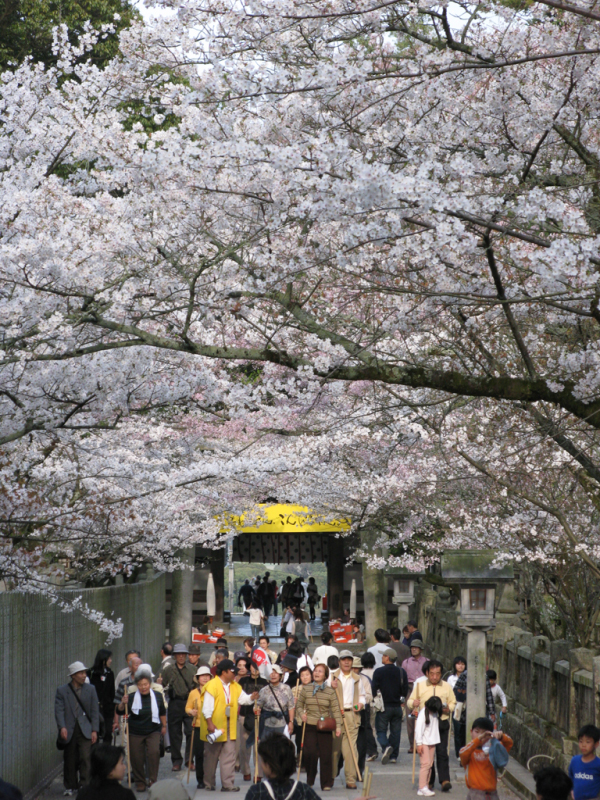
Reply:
x=346, y=654
x=76, y=666
x=390, y=653
x=356, y=662
x=276, y=668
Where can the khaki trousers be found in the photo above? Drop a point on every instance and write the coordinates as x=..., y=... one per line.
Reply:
x=345, y=746
x=223, y=754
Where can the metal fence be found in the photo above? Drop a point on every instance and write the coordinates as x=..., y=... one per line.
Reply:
x=37, y=643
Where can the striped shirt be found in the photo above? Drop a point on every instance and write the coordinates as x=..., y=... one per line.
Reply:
x=325, y=706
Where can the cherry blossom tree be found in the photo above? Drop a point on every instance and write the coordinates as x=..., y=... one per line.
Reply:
x=358, y=243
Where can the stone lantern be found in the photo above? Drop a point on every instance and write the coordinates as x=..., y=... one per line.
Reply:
x=404, y=591
x=478, y=581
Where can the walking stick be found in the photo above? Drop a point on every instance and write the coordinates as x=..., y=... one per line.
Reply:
x=255, y=743
x=301, y=750
x=128, y=747
x=191, y=754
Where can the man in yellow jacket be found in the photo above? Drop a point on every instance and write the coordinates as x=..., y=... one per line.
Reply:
x=222, y=696
x=434, y=686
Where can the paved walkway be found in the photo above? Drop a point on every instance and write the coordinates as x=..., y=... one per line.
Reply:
x=390, y=782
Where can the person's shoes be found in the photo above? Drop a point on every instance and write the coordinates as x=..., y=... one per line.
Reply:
x=351, y=786
x=426, y=792
x=209, y=788
x=247, y=777
x=326, y=789
x=372, y=758
x=68, y=792
x=201, y=786
x=176, y=768
x=168, y=749
x=410, y=750
x=230, y=789
x=431, y=785
x=393, y=760
x=446, y=786
x=140, y=787
x=386, y=755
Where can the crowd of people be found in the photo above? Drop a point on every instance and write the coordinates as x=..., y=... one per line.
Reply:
x=259, y=597
x=248, y=710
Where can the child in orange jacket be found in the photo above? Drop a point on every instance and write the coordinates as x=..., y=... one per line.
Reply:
x=481, y=777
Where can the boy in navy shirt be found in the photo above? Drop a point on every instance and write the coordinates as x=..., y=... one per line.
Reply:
x=584, y=770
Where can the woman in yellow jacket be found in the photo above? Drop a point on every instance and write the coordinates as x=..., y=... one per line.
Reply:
x=194, y=709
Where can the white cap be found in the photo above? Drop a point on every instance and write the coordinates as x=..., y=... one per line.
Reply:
x=203, y=671
x=76, y=666
x=276, y=668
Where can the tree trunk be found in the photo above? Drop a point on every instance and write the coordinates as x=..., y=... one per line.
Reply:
x=182, y=598
x=374, y=592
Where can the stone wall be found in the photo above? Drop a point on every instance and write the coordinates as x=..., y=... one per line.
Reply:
x=37, y=643
x=552, y=687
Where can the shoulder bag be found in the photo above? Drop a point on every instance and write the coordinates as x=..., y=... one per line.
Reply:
x=324, y=723
x=286, y=713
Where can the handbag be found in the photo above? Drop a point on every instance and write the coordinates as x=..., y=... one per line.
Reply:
x=325, y=723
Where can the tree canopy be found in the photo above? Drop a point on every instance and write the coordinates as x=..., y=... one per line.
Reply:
x=352, y=263
x=26, y=27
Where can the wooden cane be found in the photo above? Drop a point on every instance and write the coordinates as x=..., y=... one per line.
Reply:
x=301, y=750
x=369, y=784
x=128, y=743
x=365, y=780
x=191, y=754
x=255, y=743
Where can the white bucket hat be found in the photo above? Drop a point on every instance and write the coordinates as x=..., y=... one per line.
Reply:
x=76, y=666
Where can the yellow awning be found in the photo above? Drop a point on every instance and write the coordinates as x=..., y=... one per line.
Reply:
x=281, y=518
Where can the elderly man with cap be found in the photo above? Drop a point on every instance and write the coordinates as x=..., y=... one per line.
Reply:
x=221, y=699
x=351, y=697
x=413, y=667
x=77, y=714
x=392, y=682
x=434, y=686
x=194, y=657
x=178, y=679
x=123, y=686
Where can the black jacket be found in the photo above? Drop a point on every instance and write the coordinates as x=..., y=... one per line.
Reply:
x=107, y=790
x=393, y=683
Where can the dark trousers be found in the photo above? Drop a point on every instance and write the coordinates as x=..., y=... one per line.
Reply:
x=77, y=760
x=145, y=749
x=441, y=759
x=460, y=733
x=177, y=719
x=199, y=757
x=318, y=745
x=392, y=718
x=365, y=741
x=107, y=712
